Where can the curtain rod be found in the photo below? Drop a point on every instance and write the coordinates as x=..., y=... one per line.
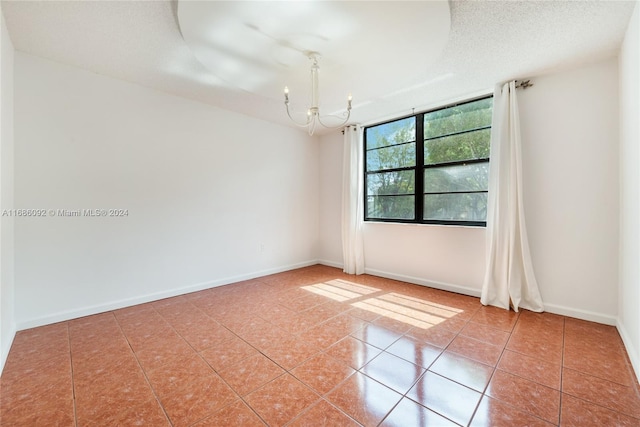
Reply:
x=520, y=84
x=523, y=84
x=353, y=126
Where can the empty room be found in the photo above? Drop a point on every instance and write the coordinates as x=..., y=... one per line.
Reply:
x=319, y=213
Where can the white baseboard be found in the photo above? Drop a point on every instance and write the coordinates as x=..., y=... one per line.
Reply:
x=331, y=263
x=632, y=351
x=577, y=313
x=474, y=292
x=592, y=316
x=465, y=290
x=127, y=302
x=6, y=346
x=460, y=289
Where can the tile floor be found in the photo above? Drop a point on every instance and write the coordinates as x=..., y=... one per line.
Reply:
x=315, y=347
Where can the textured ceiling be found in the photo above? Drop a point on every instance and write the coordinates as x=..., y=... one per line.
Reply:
x=488, y=42
x=266, y=46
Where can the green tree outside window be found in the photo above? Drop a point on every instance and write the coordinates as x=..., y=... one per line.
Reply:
x=454, y=167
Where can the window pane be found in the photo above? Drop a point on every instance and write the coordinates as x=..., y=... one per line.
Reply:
x=451, y=179
x=395, y=156
x=459, y=118
x=448, y=183
x=466, y=146
x=391, y=207
x=391, y=133
x=456, y=207
x=385, y=183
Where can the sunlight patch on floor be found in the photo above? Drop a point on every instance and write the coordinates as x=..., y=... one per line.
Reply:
x=340, y=290
x=396, y=312
x=410, y=310
x=422, y=305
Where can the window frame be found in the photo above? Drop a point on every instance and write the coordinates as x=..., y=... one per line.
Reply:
x=420, y=167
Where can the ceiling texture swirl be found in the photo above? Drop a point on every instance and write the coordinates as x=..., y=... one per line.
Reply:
x=392, y=56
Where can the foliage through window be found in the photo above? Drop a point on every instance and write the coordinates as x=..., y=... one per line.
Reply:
x=432, y=167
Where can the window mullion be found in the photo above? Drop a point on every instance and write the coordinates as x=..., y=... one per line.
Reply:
x=456, y=172
x=365, y=184
x=419, y=178
x=462, y=132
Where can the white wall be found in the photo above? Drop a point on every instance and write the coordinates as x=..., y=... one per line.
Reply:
x=424, y=254
x=570, y=159
x=450, y=258
x=629, y=298
x=331, y=151
x=7, y=322
x=570, y=134
x=212, y=196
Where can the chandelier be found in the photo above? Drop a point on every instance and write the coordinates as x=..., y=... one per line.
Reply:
x=313, y=113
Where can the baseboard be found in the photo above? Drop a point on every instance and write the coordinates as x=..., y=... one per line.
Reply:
x=474, y=292
x=459, y=289
x=114, y=305
x=6, y=346
x=632, y=351
x=577, y=313
x=465, y=290
x=331, y=263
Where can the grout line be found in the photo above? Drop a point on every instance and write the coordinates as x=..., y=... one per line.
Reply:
x=274, y=284
x=482, y=394
x=321, y=399
x=242, y=398
x=396, y=405
x=73, y=382
x=562, y=369
x=144, y=373
x=588, y=402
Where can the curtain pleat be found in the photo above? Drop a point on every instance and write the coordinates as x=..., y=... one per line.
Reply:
x=352, y=201
x=509, y=279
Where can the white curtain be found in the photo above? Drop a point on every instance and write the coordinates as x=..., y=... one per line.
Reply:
x=509, y=278
x=352, y=201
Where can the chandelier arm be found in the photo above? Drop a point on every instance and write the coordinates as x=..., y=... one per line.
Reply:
x=342, y=116
x=338, y=125
x=305, y=124
x=312, y=127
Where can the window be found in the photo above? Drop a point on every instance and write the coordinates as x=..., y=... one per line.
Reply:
x=430, y=168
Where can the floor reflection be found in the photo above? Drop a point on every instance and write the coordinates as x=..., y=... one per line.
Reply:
x=413, y=311
x=405, y=361
x=340, y=290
